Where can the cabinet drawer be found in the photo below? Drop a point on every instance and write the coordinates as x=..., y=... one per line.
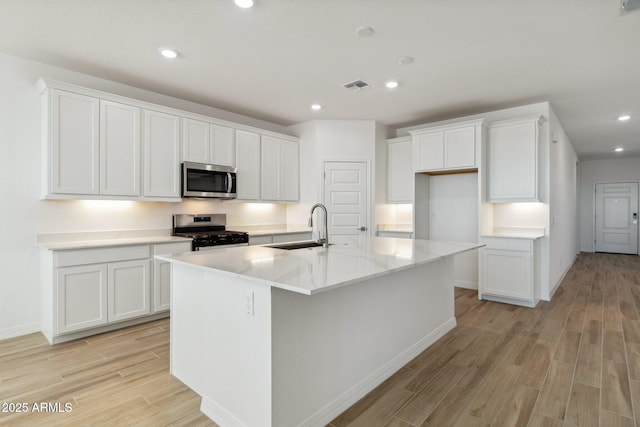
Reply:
x=100, y=255
x=508, y=244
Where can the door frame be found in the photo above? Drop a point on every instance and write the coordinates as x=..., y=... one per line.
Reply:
x=370, y=206
x=594, y=207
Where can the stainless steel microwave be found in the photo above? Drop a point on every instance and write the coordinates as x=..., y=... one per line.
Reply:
x=208, y=181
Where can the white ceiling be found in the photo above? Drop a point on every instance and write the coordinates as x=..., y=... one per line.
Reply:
x=271, y=62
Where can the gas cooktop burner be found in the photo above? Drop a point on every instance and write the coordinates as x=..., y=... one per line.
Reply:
x=207, y=230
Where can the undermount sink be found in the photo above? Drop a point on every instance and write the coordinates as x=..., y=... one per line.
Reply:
x=296, y=245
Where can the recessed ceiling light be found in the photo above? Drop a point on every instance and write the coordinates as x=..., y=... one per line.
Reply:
x=391, y=84
x=245, y=4
x=316, y=107
x=168, y=53
x=405, y=60
x=618, y=149
x=624, y=118
x=364, y=31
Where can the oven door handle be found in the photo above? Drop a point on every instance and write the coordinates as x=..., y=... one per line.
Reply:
x=229, y=179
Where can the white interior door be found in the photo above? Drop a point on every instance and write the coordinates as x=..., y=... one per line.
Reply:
x=346, y=198
x=617, y=217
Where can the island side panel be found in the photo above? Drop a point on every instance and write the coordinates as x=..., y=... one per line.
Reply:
x=332, y=348
x=218, y=348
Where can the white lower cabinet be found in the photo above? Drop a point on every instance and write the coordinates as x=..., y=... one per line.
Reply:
x=81, y=297
x=94, y=290
x=508, y=271
x=128, y=290
x=161, y=300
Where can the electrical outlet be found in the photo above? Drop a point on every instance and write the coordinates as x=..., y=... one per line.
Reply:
x=250, y=304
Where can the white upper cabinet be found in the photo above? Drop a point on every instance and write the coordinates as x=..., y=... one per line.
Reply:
x=290, y=171
x=429, y=151
x=119, y=149
x=279, y=169
x=208, y=143
x=513, y=160
x=73, y=144
x=460, y=148
x=248, y=165
x=449, y=147
x=223, y=150
x=161, y=155
x=400, y=176
x=99, y=145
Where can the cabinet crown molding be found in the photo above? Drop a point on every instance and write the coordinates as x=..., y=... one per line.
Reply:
x=456, y=125
x=44, y=83
x=539, y=118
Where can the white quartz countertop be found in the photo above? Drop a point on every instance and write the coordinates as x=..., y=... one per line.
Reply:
x=313, y=270
x=88, y=240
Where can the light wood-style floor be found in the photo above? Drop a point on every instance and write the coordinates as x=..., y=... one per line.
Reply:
x=574, y=361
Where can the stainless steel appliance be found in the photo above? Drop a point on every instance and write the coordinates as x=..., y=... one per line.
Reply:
x=208, y=231
x=208, y=181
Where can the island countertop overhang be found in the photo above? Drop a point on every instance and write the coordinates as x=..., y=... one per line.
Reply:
x=314, y=270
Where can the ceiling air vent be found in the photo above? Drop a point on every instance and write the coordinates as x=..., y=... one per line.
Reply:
x=630, y=5
x=358, y=85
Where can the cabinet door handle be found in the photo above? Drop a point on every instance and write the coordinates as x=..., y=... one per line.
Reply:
x=362, y=228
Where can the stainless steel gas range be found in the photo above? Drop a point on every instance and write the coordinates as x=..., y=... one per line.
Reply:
x=208, y=231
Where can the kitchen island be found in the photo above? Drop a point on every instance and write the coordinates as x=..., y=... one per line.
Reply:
x=273, y=337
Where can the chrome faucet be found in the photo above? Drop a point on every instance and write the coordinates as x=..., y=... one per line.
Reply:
x=324, y=241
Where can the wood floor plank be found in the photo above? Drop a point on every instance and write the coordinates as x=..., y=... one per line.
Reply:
x=613, y=346
x=554, y=395
x=539, y=420
x=534, y=370
x=611, y=419
x=382, y=411
x=469, y=421
x=420, y=407
x=494, y=391
x=584, y=407
x=588, y=366
x=450, y=409
x=616, y=395
x=517, y=408
x=371, y=398
x=567, y=350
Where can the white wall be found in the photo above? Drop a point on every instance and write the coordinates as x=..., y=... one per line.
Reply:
x=453, y=216
x=23, y=215
x=334, y=140
x=600, y=171
x=563, y=187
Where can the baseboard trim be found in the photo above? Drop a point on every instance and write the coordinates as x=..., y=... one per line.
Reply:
x=562, y=276
x=465, y=284
x=17, y=331
x=358, y=391
x=219, y=414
